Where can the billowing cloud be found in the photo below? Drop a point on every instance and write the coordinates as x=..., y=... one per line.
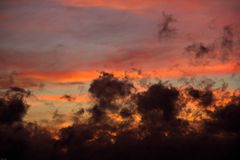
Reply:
x=126, y=122
x=13, y=107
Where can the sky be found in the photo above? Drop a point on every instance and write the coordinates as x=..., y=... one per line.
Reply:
x=57, y=47
x=119, y=71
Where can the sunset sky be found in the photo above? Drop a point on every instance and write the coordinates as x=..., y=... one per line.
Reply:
x=56, y=48
x=119, y=79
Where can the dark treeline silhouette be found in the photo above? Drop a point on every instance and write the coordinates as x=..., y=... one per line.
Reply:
x=159, y=134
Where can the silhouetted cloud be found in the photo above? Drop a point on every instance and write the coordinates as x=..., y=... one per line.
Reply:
x=166, y=30
x=227, y=38
x=57, y=117
x=199, y=49
x=159, y=98
x=68, y=97
x=205, y=97
x=122, y=121
x=106, y=89
x=222, y=48
x=227, y=118
x=13, y=106
x=112, y=132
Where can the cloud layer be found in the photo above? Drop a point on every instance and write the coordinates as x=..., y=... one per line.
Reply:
x=126, y=123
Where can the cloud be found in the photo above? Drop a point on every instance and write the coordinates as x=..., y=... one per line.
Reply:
x=227, y=118
x=125, y=124
x=12, y=105
x=57, y=117
x=227, y=39
x=106, y=89
x=223, y=48
x=159, y=98
x=205, y=97
x=199, y=49
x=120, y=122
x=68, y=97
x=166, y=30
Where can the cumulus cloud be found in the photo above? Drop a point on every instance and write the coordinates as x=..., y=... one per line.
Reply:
x=106, y=90
x=13, y=107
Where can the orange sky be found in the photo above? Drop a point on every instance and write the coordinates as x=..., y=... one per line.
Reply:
x=75, y=76
x=57, y=47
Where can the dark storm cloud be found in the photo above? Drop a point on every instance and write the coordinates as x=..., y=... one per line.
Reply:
x=160, y=134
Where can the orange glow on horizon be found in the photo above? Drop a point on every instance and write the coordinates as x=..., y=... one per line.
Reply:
x=83, y=98
x=131, y=4
x=83, y=76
